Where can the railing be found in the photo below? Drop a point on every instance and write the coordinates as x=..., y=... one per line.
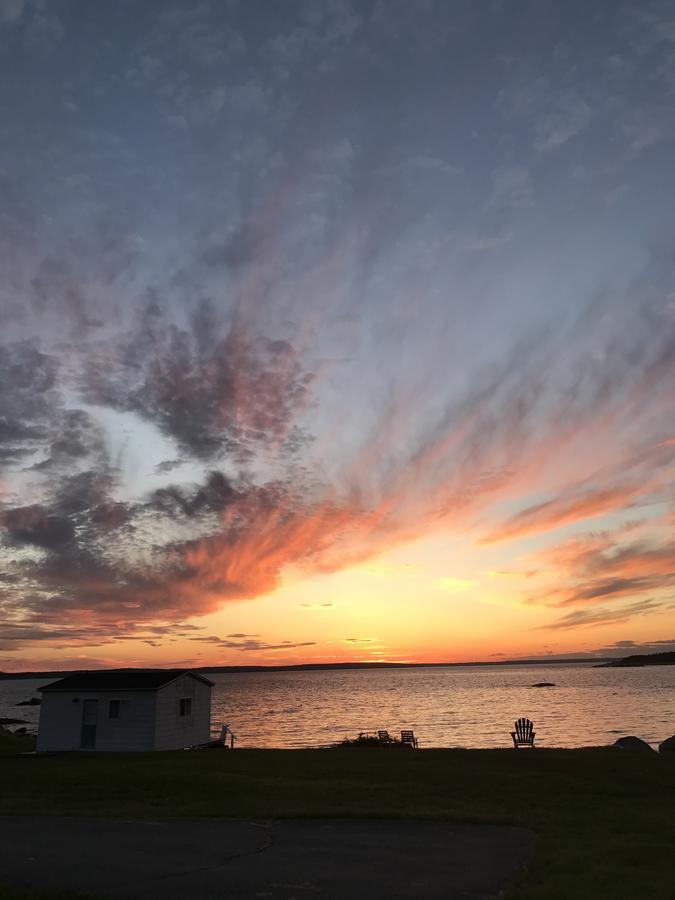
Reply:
x=221, y=734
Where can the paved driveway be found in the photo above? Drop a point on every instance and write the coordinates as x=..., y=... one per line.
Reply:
x=229, y=858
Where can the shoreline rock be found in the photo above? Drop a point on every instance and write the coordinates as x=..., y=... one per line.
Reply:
x=633, y=744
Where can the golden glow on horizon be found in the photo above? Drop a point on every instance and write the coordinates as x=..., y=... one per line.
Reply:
x=405, y=606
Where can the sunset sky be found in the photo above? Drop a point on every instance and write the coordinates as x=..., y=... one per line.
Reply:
x=335, y=330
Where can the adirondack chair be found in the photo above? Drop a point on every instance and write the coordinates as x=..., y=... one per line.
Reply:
x=384, y=737
x=524, y=734
x=407, y=737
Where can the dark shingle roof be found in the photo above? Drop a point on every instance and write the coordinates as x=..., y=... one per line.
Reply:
x=120, y=680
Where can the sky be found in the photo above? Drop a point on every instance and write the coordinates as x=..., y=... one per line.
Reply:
x=335, y=330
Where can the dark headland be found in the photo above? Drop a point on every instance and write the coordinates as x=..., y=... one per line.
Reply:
x=648, y=659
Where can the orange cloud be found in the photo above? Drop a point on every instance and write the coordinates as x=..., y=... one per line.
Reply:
x=597, y=617
x=599, y=568
x=562, y=511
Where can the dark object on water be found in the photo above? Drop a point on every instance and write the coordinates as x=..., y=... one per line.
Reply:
x=544, y=684
x=524, y=734
x=13, y=722
x=667, y=746
x=632, y=743
x=407, y=737
x=34, y=701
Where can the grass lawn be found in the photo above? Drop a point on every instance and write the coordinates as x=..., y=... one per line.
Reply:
x=605, y=819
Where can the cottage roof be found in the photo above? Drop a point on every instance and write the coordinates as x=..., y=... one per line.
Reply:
x=121, y=680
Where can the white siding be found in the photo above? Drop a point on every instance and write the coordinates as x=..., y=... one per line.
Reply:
x=174, y=731
x=61, y=720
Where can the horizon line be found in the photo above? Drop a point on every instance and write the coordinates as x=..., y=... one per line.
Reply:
x=365, y=664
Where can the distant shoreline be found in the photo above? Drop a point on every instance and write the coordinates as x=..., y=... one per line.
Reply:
x=320, y=667
x=637, y=661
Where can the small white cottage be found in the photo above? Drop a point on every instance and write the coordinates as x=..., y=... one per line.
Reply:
x=134, y=710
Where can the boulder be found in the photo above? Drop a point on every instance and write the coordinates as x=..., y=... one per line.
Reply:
x=667, y=746
x=34, y=701
x=632, y=743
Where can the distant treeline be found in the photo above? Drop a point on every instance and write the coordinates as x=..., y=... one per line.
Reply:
x=649, y=659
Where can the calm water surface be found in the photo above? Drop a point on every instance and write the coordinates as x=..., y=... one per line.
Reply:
x=13, y=692
x=453, y=707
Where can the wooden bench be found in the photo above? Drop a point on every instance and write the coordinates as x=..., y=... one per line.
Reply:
x=524, y=734
x=407, y=737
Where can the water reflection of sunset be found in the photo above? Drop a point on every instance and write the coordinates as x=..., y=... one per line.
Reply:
x=447, y=707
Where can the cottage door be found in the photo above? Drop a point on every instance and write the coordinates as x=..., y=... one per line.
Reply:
x=89, y=717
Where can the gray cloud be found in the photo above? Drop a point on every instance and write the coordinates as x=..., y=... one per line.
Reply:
x=34, y=525
x=168, y=465
x=597, y=616
x=249, y=644
x=215, y=495
x=79, y=437
x=27, y=409
x=569, y=117
x=618, y=586
x=213, y=394
x=630, y=648
x=603, y=567
x=35, y=631
x=11, y=11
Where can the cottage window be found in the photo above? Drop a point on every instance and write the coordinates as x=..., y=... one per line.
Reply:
x=185, y=706
x=114, y=709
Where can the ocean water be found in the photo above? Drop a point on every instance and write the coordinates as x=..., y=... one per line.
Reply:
x=13, y=692
x=446, y=707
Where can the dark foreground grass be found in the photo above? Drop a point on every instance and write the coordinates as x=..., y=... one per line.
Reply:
x=11, y=743
x=605, y=819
